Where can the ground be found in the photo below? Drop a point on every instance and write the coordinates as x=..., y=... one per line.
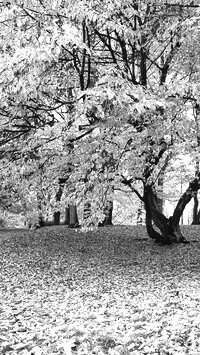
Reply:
x=111, y=292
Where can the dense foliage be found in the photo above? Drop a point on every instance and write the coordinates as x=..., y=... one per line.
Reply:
x=99, y=93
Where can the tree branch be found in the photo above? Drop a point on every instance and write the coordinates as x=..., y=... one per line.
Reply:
x=128, y=182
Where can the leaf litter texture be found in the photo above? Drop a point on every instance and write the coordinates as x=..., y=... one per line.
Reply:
x=113, y=291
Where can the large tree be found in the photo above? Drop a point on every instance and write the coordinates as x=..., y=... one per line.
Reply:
x=147, y=87
x=132, y=70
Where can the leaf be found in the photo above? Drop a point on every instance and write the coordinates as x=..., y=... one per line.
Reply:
x=67, y=346
x=36, y=350
x=20, y=346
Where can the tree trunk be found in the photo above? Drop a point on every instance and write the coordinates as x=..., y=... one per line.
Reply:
x=108, y=210
x=196, y=213
x=73, y=217
x=162, y=229
x=40, y=199
x=61, y=183
x=67, y=215
x=56, y=218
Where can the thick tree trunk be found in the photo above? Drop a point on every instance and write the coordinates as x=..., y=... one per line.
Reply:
x=56, y=218
x=169, y=229
x=160, y=228
x=73, y=217
x=67, y=215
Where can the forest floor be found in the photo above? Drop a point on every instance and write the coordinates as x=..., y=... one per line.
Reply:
x=110, y=292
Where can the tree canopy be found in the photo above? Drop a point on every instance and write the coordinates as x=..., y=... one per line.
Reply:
x=100, y=93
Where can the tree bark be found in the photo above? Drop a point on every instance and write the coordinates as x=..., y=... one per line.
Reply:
x=67, y=215
x=108, y=210
x=40, y=199
x=73, y=217
x=56, y=217
x=160, y=228
x=162, y=231
x=196, y=213
x=193, y=187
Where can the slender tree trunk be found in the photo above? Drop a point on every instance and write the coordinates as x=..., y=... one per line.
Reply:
x=109, y=211
x=61, y=182
x=108, y=214
x=40, y=200
x=196, y=213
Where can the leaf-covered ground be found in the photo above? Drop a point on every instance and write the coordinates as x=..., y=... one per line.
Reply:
x=110, y=292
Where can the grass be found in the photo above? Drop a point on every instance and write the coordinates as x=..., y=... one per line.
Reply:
x=110, y=292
